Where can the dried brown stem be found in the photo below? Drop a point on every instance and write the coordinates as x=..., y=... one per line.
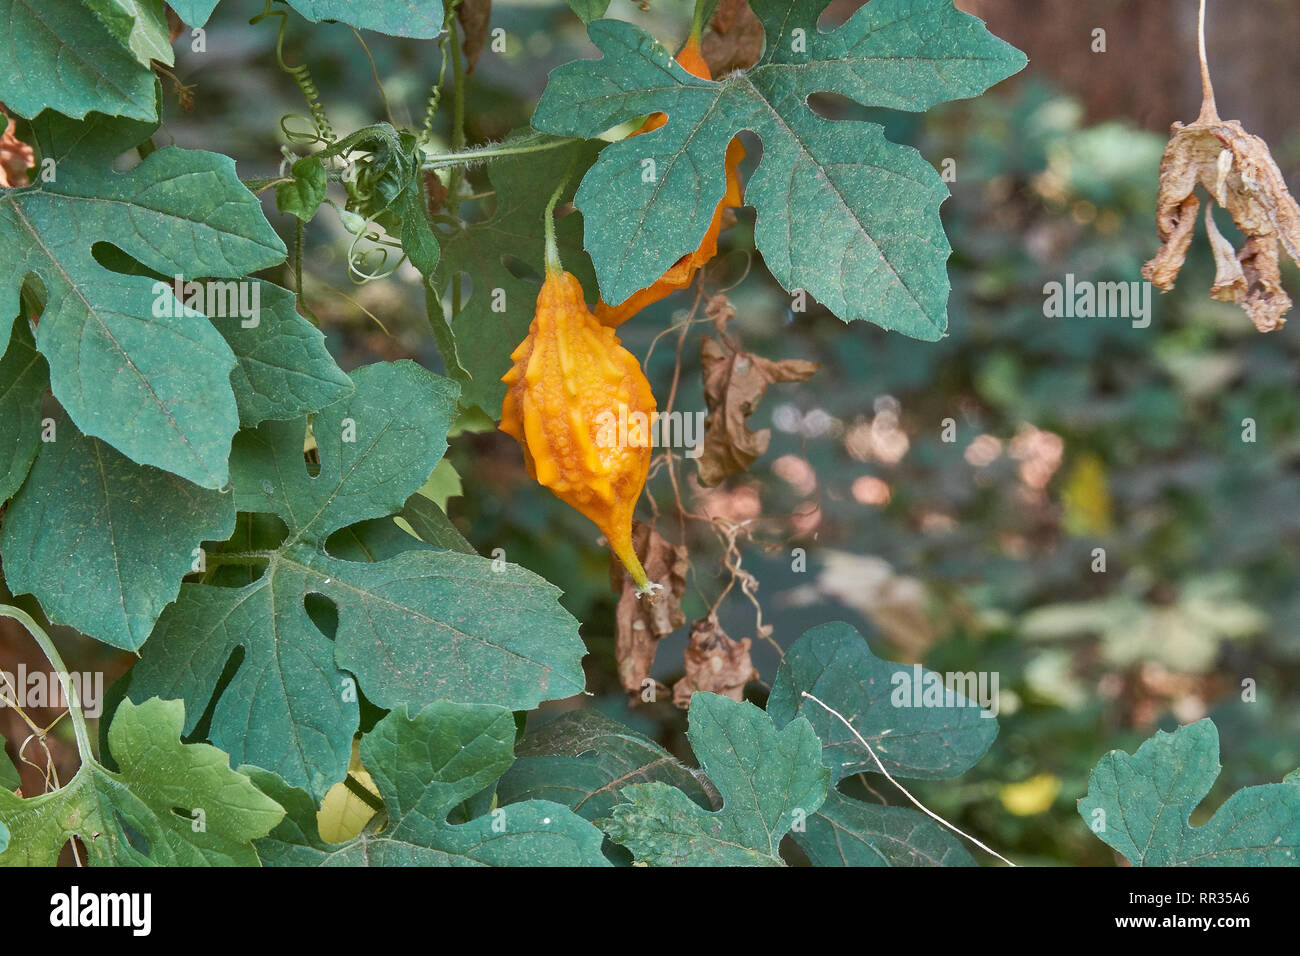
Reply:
x=1209, y=110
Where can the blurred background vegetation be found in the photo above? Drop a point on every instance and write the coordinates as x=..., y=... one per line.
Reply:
x=1071, y=434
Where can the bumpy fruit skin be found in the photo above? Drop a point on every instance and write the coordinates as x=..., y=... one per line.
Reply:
x=682, y=272
x=567, y=374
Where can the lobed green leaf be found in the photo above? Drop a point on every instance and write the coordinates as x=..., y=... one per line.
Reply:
x=841, y=212
x=425, y=766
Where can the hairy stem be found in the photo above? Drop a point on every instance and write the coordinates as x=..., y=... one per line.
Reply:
x=548, y=223
x=467, y=157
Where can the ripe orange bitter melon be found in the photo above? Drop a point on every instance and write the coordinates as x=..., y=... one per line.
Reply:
x=570, y=379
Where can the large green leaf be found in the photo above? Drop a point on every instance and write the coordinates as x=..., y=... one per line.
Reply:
x=941, y=738
x=496, y=316
x=59, y=55
x=1141, y=804
x=582, y=759
x=848, y=832
x=374, y=443
x=841, y=212
x=424, y=767
x=284, y=369
x=154, y=386
x=399, y=18
x=413, y=627
x=769, y=780
x=170, y=804
x=139, y=25
x=24, y=377
x=103, y=542
x=288, y=705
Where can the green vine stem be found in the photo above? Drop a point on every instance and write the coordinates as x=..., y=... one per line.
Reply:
x=464, y=157
x=552, y=248
x=302, y=76
x=481, y=154
x=457, y=106
x=69, y=689
x=435, y=94
x=297, y=258
x=697, y=19
x=457, y=136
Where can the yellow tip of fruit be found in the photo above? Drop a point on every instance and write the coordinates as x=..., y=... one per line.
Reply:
x=627, y=555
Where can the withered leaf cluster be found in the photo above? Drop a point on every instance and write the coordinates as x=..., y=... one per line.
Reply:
x=714, y=663
x=734, y=383
x=641, y=621
x=1237, y=170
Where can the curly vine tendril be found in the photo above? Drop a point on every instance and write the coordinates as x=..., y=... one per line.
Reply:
x=435, y=93
x=322, y=132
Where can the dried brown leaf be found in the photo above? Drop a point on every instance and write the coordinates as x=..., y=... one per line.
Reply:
x=642, y=621
x=1175, y=232
x=435, y=192
x=734, y=383
x=1238, y=171
x=719, y=311
x=1229, y=278
x=714, y=663
x=734, y=40
x=475, y=16
x=1265, y=301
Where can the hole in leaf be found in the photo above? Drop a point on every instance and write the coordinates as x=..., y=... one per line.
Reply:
x=834, y=17
x=133, y=836
x=204, y=725
x=466, y=292
x=127, y=160
x=115, y=260
x=33, y=296
x=835, y=106
x=521, y=269
x=323, y=613
x=793, y=853
x=376, y=539
x=253, y=532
